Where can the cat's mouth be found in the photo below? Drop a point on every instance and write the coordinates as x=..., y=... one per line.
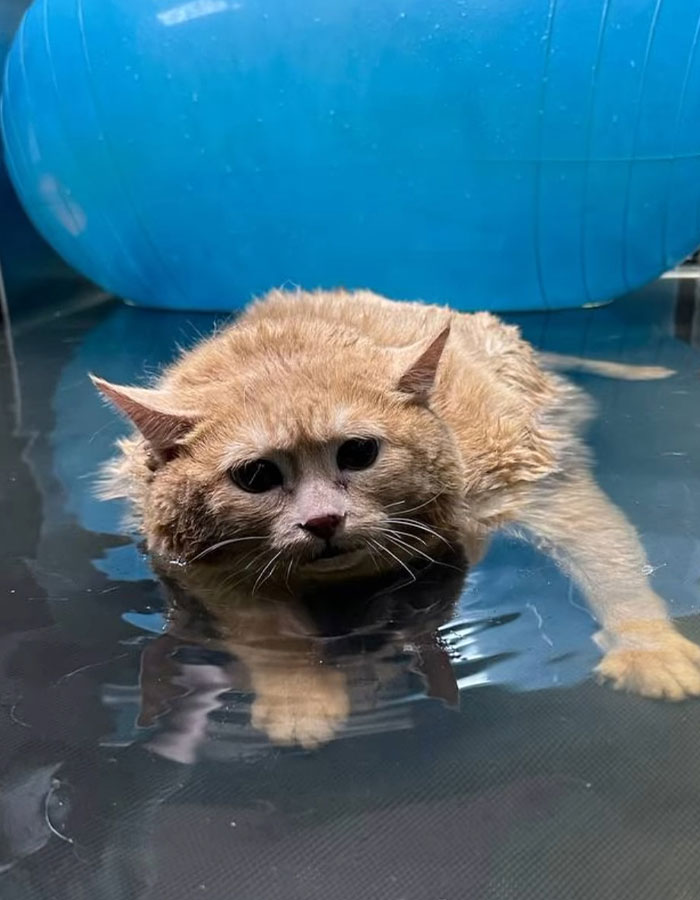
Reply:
x=330, y=552
x=334, y=558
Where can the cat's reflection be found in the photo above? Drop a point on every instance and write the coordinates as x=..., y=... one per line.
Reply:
x=310, y=661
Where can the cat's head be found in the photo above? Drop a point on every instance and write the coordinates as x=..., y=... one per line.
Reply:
x=308, y=470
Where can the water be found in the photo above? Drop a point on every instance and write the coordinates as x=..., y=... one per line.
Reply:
x=480, y=759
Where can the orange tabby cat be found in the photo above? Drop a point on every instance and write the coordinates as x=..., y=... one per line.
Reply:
x=329, y=435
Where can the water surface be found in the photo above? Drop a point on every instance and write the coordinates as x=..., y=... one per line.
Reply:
x=480, y=761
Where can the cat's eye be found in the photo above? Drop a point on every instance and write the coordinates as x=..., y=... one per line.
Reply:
x=357, y=453
x=257, y=476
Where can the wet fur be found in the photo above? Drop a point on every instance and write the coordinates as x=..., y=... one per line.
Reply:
x=496, y=421
x=486, y=439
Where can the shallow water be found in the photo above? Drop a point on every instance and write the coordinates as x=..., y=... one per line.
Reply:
x=538, y=783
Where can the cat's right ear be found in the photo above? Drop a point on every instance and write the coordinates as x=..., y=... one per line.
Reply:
x=152, y=412
x=418, y=377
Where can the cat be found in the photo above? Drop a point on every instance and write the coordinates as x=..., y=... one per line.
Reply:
x=327, y=436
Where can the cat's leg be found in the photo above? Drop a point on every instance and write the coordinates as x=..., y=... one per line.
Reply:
x=597, y=546
x=296, y=703
x=298, y=697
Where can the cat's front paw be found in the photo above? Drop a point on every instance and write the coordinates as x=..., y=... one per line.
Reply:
x=654, y=660
x=304, y=708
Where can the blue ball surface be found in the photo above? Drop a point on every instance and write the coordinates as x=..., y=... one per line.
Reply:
x=519, y=154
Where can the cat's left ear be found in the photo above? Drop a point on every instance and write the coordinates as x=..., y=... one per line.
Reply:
x=418, y=379
x=152, y=412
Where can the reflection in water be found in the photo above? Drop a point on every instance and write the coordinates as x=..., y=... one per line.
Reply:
x=316, y=667
x=311, y=661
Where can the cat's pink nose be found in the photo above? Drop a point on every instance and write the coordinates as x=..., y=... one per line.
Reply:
x=323, y=527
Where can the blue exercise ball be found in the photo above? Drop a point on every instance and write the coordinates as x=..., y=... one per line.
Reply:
x=517, y=154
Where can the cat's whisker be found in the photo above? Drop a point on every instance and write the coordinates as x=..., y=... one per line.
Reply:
x=413, y=523
x=373, y=556
x=262, y=571
x=289, y=571
x=267, y=577
x=240, y=563
x=255, y=559
x=384, y=549
x=240, y=573
x=424, y=504
x=412, y=549
x=407, y=534
x=244, y=567
x=391, y=535
x=229, y=584
x=226, y=543
x=377, y=555
x=228, y=581
x=269, y=567
x=272, y=571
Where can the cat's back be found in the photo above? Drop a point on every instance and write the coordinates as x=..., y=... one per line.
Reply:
x=384, y=322
x=478, y=340
x=281, y=331
x=285, y=327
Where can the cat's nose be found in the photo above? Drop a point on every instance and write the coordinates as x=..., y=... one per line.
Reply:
x=323, y=527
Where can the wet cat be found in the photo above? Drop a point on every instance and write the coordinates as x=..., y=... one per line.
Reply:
x=331, y=435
